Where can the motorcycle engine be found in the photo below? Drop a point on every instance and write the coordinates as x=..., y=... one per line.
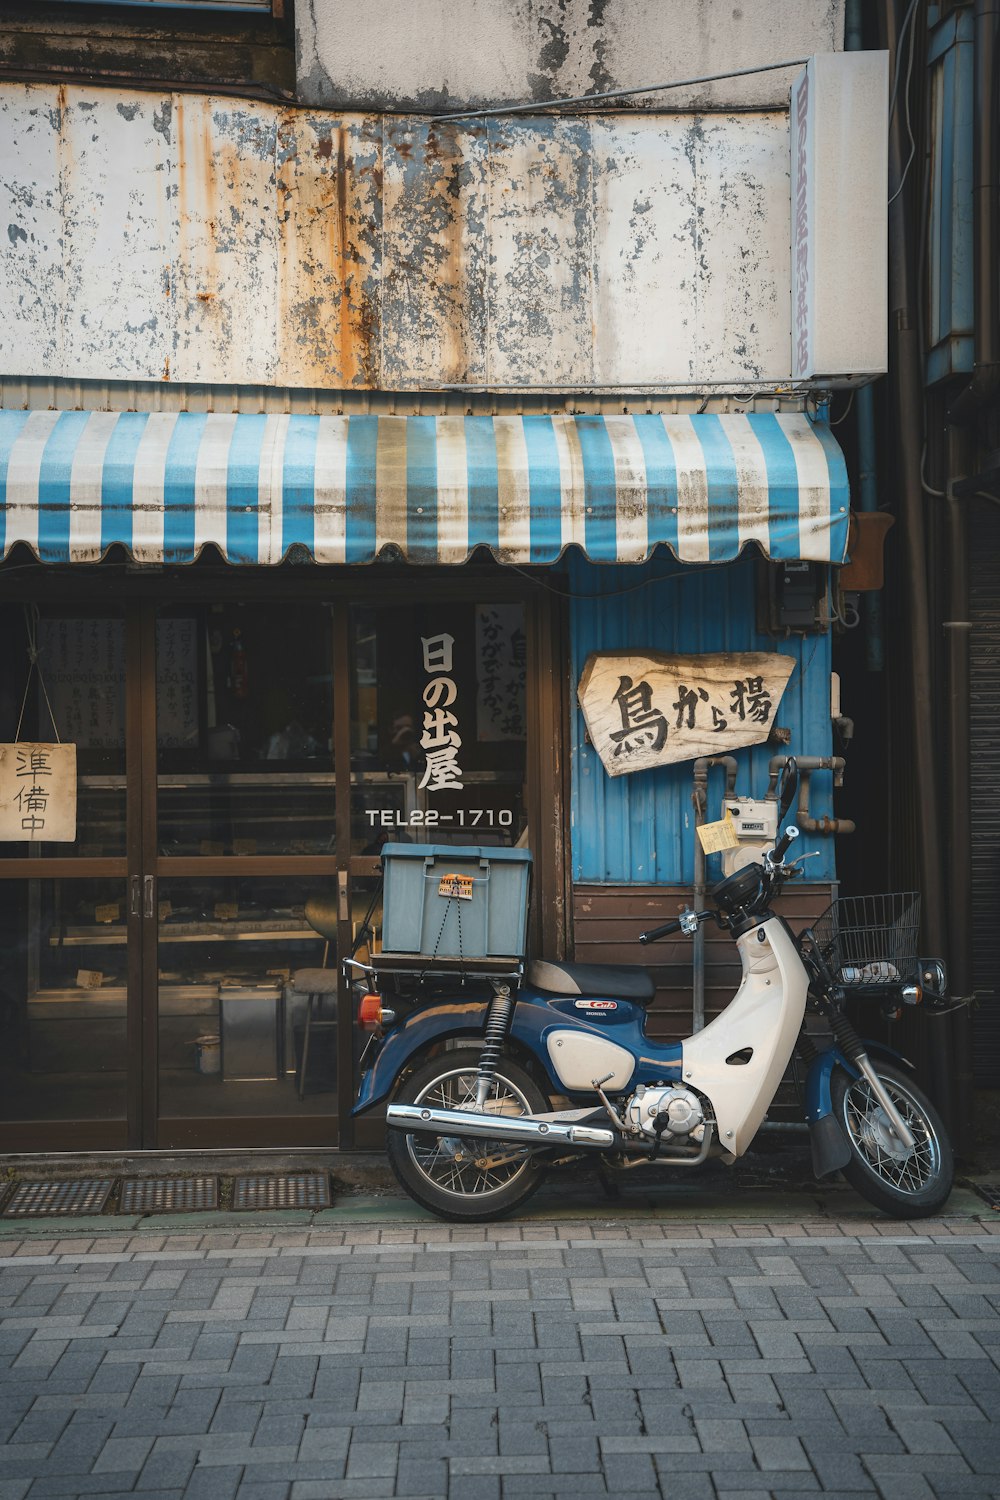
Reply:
x=677, y=1110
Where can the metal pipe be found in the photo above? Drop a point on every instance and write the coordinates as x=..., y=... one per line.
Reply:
x=699, y=798
x=806, y=765
x=962, y=459
x=985, y=381
x=868, y=500
x=957, y=631
x=985, y=191
x=908, y=393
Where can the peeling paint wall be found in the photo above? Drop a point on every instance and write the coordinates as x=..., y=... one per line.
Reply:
x=195, y=239
x=434, y=54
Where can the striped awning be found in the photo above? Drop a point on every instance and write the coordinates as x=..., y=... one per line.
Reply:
x=164, y=485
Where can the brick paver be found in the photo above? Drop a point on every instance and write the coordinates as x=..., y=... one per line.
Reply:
x=528, y=1360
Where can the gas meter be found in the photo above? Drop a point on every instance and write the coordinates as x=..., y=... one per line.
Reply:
x=756, y=824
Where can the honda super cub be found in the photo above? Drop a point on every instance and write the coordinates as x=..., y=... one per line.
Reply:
x=486, y=1091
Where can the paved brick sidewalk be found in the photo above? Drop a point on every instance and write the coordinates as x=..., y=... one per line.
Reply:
x=572, y=1360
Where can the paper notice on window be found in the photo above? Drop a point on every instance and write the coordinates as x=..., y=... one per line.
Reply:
x=37, y=793
x=226, y=911
x=714, y=837
x=110, y=911
x=89, y=979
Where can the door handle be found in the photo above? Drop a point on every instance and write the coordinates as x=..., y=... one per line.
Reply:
x=149, y=895
x=343, y=909
x=134, y=898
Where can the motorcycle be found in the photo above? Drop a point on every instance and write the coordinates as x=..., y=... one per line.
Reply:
x=471, y=1080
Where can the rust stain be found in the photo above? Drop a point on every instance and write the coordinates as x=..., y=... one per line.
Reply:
x=166, y=368
x=206, y=296
x=324, y=147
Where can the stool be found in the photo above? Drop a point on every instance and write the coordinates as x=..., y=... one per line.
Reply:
x=314, y=984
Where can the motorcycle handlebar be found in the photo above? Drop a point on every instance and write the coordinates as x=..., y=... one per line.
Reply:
x=655, y=933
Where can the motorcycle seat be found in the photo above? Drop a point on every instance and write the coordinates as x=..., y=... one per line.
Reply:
x=609, y=981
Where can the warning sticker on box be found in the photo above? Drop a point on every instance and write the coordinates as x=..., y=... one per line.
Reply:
x=458, y=887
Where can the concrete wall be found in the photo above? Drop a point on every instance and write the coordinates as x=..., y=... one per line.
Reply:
x=432, y=54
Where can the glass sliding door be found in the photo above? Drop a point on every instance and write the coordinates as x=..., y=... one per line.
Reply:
x=68, y=989
x=245, y=870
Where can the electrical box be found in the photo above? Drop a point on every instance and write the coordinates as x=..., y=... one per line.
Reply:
x=756, y=823
x=791, y=598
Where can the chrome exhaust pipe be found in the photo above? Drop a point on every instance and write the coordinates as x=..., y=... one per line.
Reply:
x=523, y=1130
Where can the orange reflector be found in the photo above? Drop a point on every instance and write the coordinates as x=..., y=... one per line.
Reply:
x=370, y=1011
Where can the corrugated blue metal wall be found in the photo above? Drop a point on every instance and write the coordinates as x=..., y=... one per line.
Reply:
x=639, y=829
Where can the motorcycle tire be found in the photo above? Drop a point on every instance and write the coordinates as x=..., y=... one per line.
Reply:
x=904, y=1185
x=465, y=1179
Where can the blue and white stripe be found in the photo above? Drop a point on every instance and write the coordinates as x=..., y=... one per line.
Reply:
x=167, y=484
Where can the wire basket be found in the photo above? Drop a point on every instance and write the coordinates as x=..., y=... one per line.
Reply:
x=870, y=940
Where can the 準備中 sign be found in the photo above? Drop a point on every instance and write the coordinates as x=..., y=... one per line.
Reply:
x=37, y=793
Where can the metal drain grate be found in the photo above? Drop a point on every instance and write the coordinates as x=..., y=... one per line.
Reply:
x=285, y=1190
x=165, y=1195
x=49, y=1200
x=990, y=1191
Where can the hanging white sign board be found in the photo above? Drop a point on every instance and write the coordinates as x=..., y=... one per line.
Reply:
x=37, y=793
x=650, y=709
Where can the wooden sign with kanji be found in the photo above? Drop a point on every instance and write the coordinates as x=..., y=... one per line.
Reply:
x=651, y=709
x=37, y=793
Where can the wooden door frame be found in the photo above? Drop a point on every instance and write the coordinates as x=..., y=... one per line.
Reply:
x=141, y=592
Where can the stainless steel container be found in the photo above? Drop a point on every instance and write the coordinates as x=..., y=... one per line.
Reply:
x=251, y=1027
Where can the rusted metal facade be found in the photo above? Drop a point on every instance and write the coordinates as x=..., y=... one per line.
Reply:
x=205, y=240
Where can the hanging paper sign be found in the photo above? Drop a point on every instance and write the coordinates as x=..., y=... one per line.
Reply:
x=652, y=709
x=714, y=837
x=37, y=793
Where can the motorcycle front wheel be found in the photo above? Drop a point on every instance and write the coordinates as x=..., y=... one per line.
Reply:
x=459, y=1177
x=903, y=1184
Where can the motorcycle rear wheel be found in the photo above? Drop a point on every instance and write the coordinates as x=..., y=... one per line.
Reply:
x=904, y=1185
x=463, y=1178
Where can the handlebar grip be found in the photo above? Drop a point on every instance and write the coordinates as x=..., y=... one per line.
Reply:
x=785, y=842
x=655, y=933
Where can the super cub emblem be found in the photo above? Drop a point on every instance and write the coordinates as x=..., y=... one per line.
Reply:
x=596, y=1004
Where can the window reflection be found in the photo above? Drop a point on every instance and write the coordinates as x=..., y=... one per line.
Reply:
x=63, y=969
x=245, y=729
x=234, y=1015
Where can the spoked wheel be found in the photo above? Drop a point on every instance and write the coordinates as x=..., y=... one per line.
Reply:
x=458, y=1177
x=904, y=1184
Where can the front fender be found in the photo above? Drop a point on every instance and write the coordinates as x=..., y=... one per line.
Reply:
x=819, y=1102
x=830, y=1148
x=459, y=1019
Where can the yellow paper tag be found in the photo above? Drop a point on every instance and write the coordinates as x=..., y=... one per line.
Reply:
x=244, y=846
x=111, y=912
x=89, y=979
x=715, y=837
x=163, y=911
x=456, y=886
x=226, y=911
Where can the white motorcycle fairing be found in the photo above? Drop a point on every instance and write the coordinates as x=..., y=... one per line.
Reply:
x=763, y=1020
